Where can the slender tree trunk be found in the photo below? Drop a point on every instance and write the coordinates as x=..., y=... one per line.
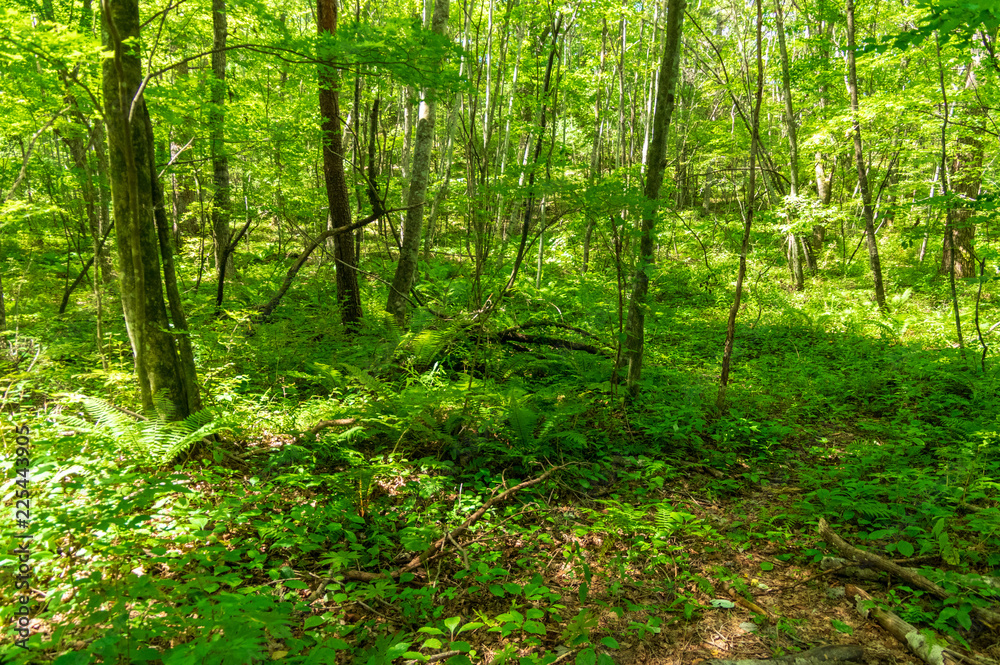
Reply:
x=635, y=323
x=966, y=174
x=183, y=194
x=158, y=361
x=595, y=153
x=348, y=293
x=220, y=158
x=866, y=199
x=406, y=267
x=794, y=240
x=727, y=351
x=3, y=308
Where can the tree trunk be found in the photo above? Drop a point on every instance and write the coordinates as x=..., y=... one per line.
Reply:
x=794, y=240
x=220, y=158
x=727, y=349
x=866, y=199
x=406, y=267
x=966, y=174
x=158, y=362
x=348, y=294
x=182, y=191
x=595, y=152
x=635, y=323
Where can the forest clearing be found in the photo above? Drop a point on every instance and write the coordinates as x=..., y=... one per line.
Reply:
x=500, y=332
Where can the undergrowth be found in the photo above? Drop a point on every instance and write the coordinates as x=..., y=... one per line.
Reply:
x=255, y=551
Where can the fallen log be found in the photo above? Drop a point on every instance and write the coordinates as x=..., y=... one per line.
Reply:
x=932, y=654
x=914, y=579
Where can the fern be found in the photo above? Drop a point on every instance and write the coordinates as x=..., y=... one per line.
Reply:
x=155, y=440
x=522, y=421
x=368, y=381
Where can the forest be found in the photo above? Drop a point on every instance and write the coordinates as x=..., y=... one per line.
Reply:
x=512, y=332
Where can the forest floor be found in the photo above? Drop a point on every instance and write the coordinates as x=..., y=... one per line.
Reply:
x=673, y=532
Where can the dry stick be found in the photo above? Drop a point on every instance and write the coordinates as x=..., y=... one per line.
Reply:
x=438, y=546
x=322, y=425
x=266, y=309
x=901, y=630
x=987, y=616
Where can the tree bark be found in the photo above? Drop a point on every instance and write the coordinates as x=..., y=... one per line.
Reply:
x=595, y=152
x=220, y=158
x=183, y=194
x=866, y=199
x=153, y=336
x=794, y=240
x=348, y=293
x=727, y=349
x=635, y=323
x=966, y=174
x=406, y=267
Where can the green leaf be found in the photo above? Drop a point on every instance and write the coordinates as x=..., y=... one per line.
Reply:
x=609, y=642
x=396, y=650
x=766, y=565
x=464, y=647
x=431, y=631
x=452, y=623
x=313, y=621
x=586, y=657
x=431, y=643
x=472, y=625
x=534, y=627
x=842, y=627
x=904, y=548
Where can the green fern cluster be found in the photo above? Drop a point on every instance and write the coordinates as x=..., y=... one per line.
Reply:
x=155, y=440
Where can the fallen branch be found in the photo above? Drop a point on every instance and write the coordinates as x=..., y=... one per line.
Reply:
x=914, y=579
x=438, y=547
x=511, y=335
x=265, y=310
x=322, y=425
x=828, y=655
x=901, y=630
x=433, y=659
x=473, y=518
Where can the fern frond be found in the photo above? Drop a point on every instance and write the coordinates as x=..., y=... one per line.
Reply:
x=155, y=440
x=365, y=379
x=522, y=421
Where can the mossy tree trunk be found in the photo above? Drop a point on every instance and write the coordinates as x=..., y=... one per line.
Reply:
x=164, y=367
x=406, y=267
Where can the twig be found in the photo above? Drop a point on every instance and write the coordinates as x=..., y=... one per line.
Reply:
x=437, y=548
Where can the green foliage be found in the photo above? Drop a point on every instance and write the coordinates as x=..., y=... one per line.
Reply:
x=154, y=440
